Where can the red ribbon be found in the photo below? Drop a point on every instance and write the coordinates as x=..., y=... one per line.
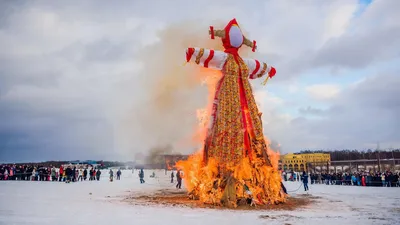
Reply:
x=189, y=54
x=272, y=72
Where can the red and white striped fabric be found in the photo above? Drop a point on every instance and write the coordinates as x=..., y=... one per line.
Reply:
x=258, y=69
x=206, y=57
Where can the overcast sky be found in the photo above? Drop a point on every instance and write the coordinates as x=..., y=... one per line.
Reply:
x=104, y=80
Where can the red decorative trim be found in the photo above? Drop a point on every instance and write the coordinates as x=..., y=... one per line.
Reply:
x=189, y=54
x=256, y=69
x=244, y=107
x=209, y=58
x=254, y=46
x=212, y=32
x=226, y=40
x=272, y=72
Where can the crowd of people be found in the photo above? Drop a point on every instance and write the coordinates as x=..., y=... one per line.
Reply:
x=65, y=173
x=68, y=173
x=372, y=179
x=71, y=173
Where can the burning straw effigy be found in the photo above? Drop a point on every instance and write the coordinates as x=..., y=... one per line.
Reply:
x=236, y=165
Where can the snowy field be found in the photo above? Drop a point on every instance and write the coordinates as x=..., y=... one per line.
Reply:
x=92, y=202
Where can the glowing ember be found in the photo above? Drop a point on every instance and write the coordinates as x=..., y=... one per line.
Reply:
x=236, y=164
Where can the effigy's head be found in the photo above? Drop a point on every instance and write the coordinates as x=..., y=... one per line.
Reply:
x=232, y=36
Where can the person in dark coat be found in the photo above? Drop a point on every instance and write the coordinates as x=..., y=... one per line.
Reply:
x=98, y=173
x=85, y=174
x=91, y=174
x=172, y=177
x=141, y=176
x=304, y=178
x=68, y=173
x=119, y=174
x=74, y=174
x=179, y=179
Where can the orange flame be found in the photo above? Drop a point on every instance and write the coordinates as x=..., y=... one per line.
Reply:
x=209, y=78
x=253, y=180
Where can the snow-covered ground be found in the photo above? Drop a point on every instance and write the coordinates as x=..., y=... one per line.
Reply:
x=92, y=202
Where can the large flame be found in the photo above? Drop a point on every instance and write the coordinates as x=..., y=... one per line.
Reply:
x=249, y=181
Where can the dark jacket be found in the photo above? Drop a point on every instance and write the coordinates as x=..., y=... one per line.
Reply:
x=178, y=176
x=304, y=178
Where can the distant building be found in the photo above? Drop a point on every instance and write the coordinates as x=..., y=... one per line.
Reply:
x=303, y=162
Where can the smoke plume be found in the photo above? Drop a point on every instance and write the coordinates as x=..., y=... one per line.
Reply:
x=171, y=93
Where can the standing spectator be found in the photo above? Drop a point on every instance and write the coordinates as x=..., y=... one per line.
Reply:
x=6, y=174
x=111, y=173
x=389, y=179
x=383, y=178
x=11, y=173
x=172, y=177
x=80, y=175
x=98, y=173
x=76, y=174
x=141, y=176
x=179, y=179
x=354, y=180
x=41, y=173
x=64, y=175
x=94, y=174
x=53, y=174
x=305, y=180
x=85, y=174
x=69, y=174
x=119, y=174
x=91, y=174
x=33, y=174
x=61, y=173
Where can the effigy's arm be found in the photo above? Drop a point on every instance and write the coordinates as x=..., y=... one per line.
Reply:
x=258, y=69
x=206, y=57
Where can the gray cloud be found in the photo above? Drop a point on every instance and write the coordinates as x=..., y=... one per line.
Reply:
x=360, y=51
x=369, y=39
x=311, y=110
x=358, y=118
x=94, y=79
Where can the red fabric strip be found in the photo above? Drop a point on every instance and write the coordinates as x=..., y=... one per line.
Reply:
x=243, y=105
x=272, y=72
x=255, y=70
x=209, y=58
x=189, y=54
